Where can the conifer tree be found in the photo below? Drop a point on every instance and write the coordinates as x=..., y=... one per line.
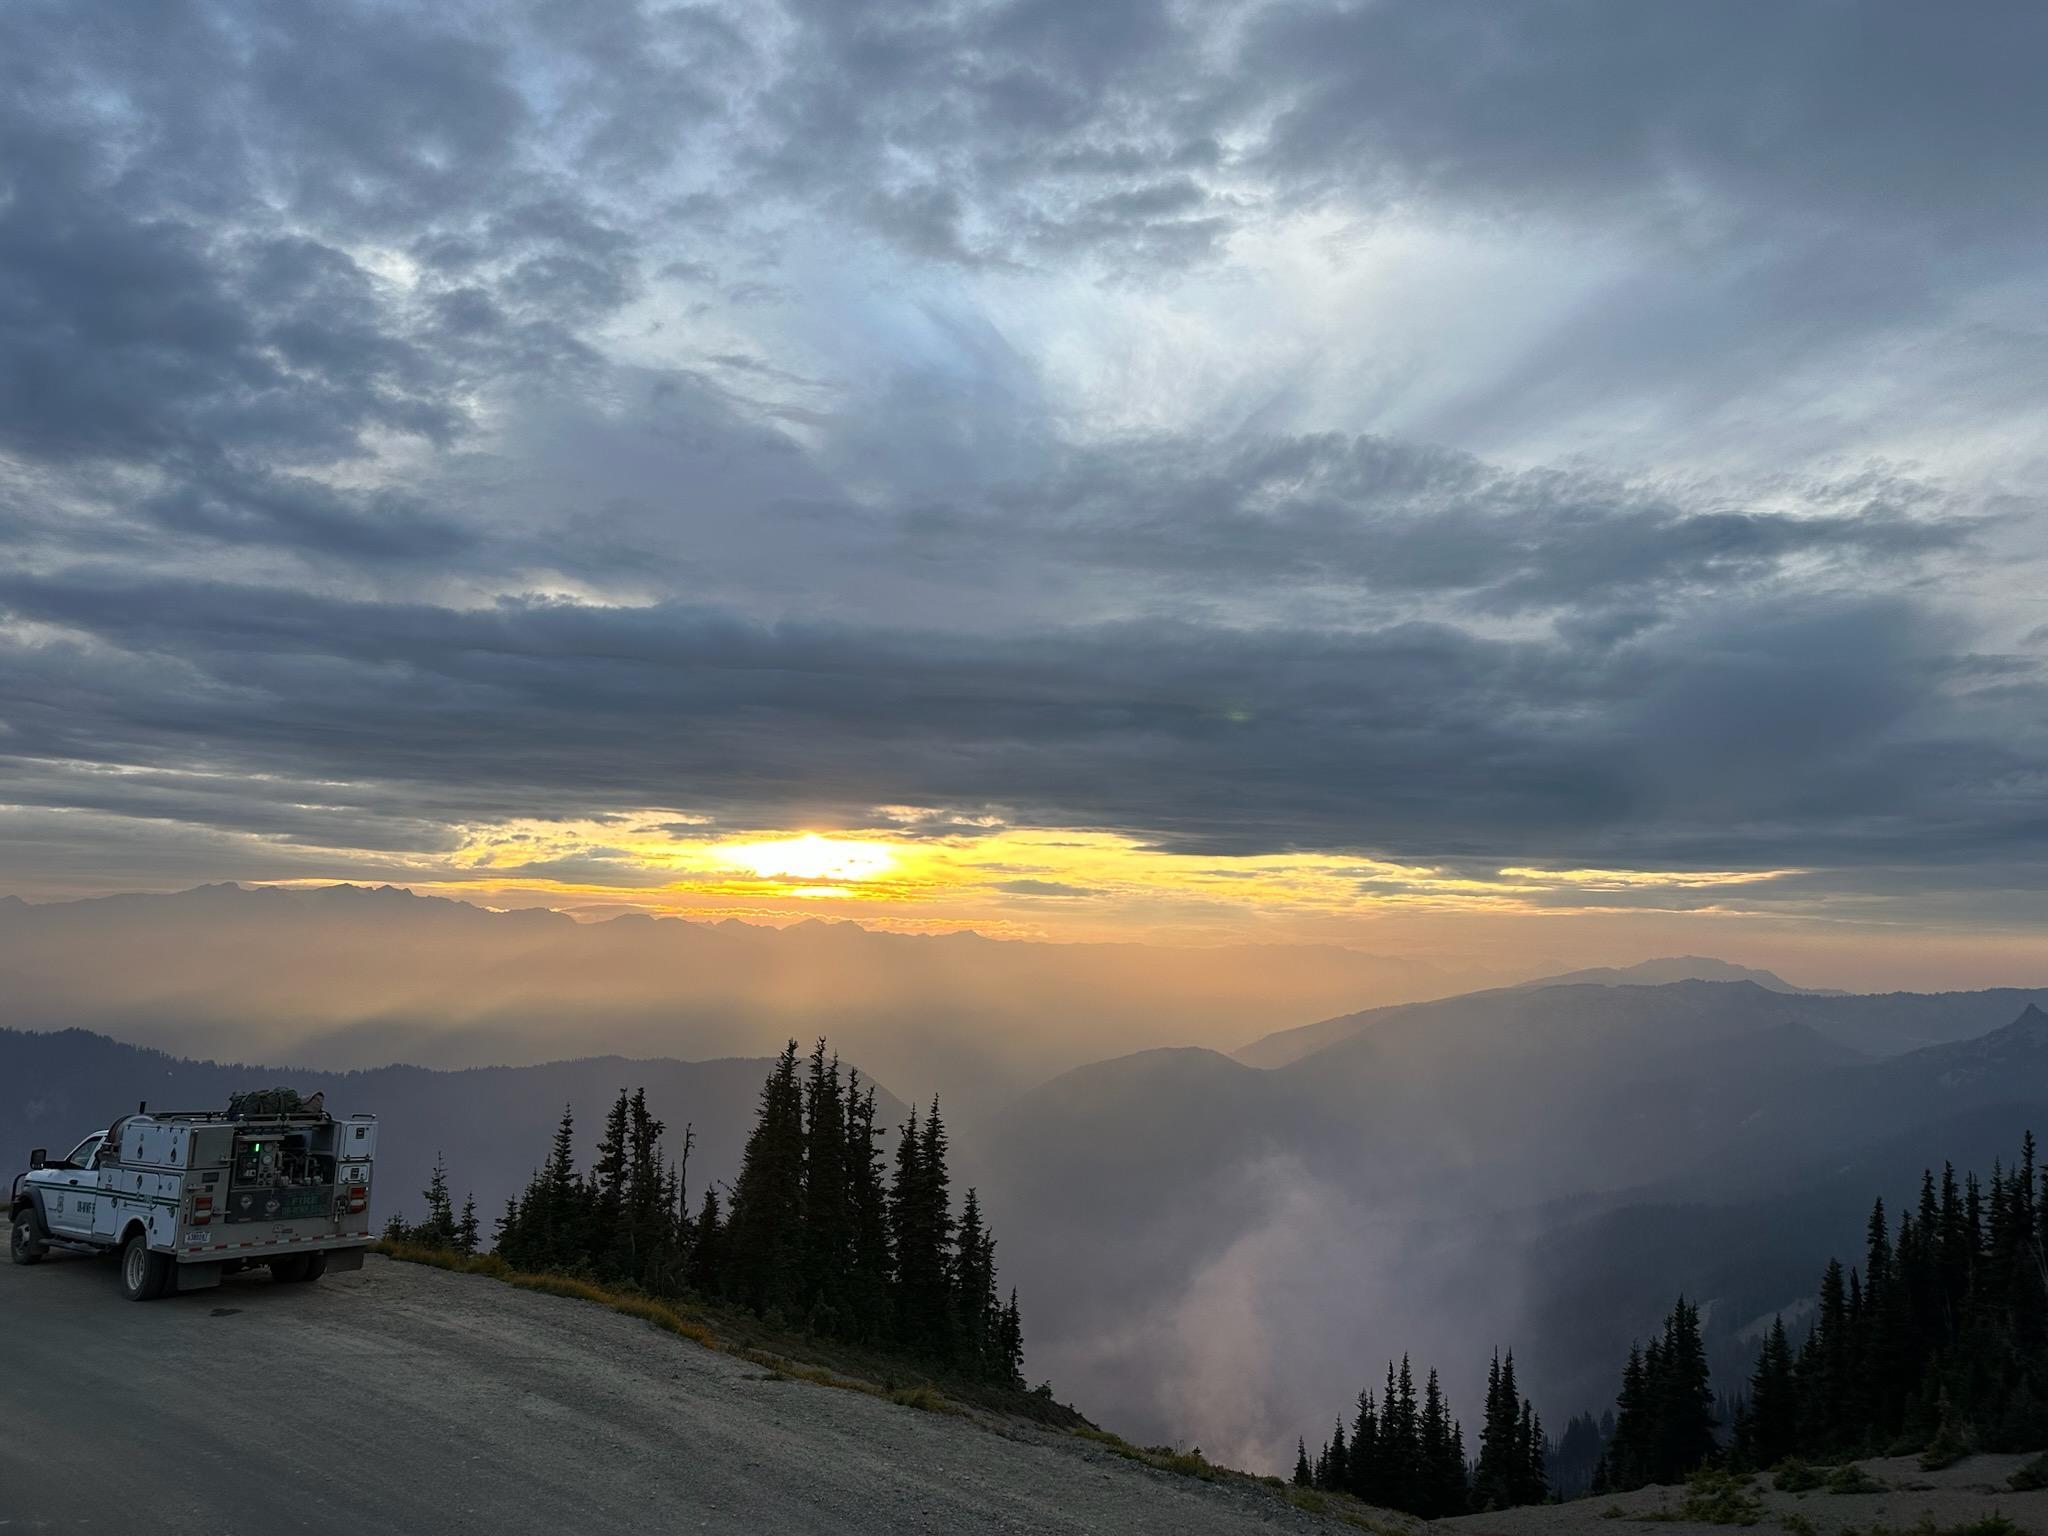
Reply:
x=1531, y=1482
x=870, y=1269
x=764, y=1232
x=1622, y=1463
x=1401, y=1479
x=466, y=1233
x=922, y=1221
x=937, y=1196
x=506, y=1234
x=1366, y=1450
x=1010, y=1340
x=1441, y=1490
x=1826, y=1376
x=1303, y=1475
x=646, y=1231
x=1337, y=1460
x=557, y=1239
x=908, y=1240
x=1664, y=1415
x=1770, y=1427
x=827, y=1210
x=706, y=1268
x=438, y=1230
x=976, y=1309
x=606, y=1241
x=1493, y=1485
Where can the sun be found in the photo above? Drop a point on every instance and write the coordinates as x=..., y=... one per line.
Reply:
x=811, y=857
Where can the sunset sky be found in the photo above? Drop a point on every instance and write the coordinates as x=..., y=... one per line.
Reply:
x=1532, y=481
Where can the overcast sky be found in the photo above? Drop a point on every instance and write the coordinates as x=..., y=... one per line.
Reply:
x=1405, y=442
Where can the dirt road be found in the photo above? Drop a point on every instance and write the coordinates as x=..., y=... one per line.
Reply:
x=405, y=1399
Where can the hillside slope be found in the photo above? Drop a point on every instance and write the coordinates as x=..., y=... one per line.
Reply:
x=466, y=1405
x=1880, y=1024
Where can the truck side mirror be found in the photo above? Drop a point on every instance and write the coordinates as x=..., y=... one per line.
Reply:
x=37, y=1158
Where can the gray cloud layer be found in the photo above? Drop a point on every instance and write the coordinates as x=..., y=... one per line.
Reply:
x=420, y=418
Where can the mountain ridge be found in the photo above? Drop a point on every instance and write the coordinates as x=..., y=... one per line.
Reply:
x=1878, y=1022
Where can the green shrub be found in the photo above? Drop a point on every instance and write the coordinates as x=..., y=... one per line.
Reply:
x=1190, y=1464
x=2030, y=1476
x=1795, y=1476
x=922, y=1398
x=1714, y=1497
x=1850, y=1478
x=1944, y=1451
x=1951, y=1443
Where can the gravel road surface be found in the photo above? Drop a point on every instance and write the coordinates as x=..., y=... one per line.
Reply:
x=405, y=1399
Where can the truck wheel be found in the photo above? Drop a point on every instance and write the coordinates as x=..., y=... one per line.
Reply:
x=143, y=1274
x=288, y=1270
x=27, y=1245
x=316, y=1266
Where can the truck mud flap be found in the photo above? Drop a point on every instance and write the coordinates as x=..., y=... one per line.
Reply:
x=344, y=1258
x=198, y=1277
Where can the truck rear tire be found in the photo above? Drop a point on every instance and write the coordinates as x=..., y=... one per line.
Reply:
x=316, y=1266
x=26, y=1243
x=143, y=1274
x=288, y=1271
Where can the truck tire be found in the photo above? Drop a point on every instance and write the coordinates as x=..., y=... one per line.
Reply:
x=26, y=1243
x=143, y=1274
x=316, y=1266
x=289, y=1270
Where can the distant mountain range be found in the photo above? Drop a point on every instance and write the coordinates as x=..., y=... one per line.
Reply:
x=493, y=1125
x=1657, y=973
x=347, y=976
x=1878, y=1023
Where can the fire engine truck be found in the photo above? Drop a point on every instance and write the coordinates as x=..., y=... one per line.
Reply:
x=189, y=1196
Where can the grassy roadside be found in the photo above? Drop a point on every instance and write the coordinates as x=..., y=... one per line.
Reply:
x=794, y=1357
x=824, y=1363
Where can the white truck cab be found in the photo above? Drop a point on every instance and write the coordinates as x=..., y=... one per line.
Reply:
x=186, y=1197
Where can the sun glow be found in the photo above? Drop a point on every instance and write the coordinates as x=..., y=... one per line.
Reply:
x=810, y=857
x=922, y=870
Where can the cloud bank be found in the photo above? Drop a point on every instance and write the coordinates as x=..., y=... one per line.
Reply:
x=1591, y=438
